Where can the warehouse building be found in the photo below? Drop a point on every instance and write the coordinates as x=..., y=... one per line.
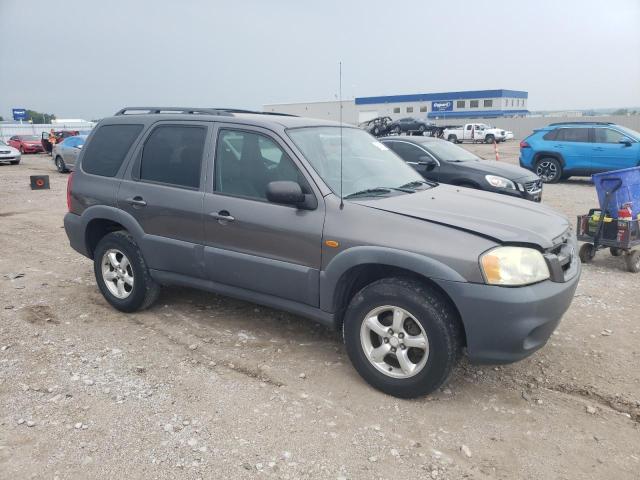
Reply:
x=432, y=106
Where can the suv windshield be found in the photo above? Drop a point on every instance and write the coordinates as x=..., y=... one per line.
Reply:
x=366, y=163
x=449, y=152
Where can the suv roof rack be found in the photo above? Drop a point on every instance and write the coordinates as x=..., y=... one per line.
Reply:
x=580, y=123
x=192, y=111
x=152, y=110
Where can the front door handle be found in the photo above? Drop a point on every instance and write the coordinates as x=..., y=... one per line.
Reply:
x=222, y=216
x=136, y=201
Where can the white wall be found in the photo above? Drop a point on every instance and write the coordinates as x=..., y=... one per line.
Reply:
x=319, y=110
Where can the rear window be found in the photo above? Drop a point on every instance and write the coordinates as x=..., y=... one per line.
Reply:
x=573, y=135
x=173, y=155
x=108, y=147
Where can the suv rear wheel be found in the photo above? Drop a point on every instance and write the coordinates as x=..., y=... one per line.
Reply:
x=402, y=337
x=121, y=273
x=549, y=170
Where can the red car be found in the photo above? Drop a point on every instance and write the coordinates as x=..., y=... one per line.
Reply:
x=26, y=143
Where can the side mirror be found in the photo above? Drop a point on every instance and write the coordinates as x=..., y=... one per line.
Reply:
x=290, y=193
x=626, y=142
x=427, y=162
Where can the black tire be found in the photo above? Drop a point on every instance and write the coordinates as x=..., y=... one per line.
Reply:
x=145, y=290
x=396, y=130
x=452, y=138
x=489, y=139
x=376, y=132
x=632, y=259
x=60, y=165
x=14, y=162
x=549, y=170
x=616, y=252
x=586, y=253
x=421, y=129
x=435, y=315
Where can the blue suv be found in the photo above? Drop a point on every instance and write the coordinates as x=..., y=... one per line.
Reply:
x=561, y=150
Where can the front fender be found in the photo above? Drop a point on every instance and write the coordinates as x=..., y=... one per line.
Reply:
x=371, y=255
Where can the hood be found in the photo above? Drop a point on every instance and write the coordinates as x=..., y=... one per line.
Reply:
x=499, y=217
x=506, y=170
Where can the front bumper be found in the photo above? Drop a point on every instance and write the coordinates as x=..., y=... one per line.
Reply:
x=504, y=325
x=33, y=148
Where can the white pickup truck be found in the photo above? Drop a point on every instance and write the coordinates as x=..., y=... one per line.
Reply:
x=474, y=132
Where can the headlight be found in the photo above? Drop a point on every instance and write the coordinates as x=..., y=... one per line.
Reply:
x=499, y=182
x=513, y=266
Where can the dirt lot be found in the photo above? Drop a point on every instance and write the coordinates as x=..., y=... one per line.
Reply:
x=202, y=386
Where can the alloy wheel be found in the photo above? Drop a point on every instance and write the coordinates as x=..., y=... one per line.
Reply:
x=547, y=170
x=117, y=273
x=394, y=342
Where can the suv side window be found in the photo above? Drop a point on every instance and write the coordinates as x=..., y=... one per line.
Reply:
x=573, y=135
x=552, y=135
x=108, y=147
x=607, y=135
x=172, y=154
x=246, y=162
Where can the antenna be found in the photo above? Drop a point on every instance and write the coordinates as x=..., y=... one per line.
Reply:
x=340, y=104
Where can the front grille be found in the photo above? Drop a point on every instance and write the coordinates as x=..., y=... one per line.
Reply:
x=561, y=257
x=534, y=186
x=4, y=152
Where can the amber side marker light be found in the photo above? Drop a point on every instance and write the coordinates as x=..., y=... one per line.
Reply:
x=331, y=243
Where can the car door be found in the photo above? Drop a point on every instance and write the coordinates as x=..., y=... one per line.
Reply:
x=608, y=153
x=162, y=191
x=251, y=243
x=69, y=151
x=468, y=131
x=576, y=150
x=415, y=156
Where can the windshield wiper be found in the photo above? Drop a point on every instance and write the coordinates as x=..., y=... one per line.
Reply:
x=368, y=191
x=417, y=183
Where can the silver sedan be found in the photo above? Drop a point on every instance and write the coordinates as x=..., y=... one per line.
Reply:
x=9, y=154
x=66, y=152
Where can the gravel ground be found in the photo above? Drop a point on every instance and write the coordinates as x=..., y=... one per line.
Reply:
x=202, y=386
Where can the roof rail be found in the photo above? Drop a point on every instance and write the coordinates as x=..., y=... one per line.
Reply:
x=255, y=112
x=580, y=123
x=188, y=110
x=192, y=111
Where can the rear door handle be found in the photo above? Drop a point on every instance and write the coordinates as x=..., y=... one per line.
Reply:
x=222, y=216
x=136, y=201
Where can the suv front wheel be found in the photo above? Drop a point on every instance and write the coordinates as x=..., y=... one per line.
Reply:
x=121, y=273
x=402, y=337
x=549, y=170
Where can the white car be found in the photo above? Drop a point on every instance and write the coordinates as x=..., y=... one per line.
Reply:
x=508, y=135
x=9, y=154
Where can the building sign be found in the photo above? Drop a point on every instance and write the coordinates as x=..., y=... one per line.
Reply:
x=442, y=106
x=19, y=114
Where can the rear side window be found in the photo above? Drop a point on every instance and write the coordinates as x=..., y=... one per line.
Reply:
x=108, y=147
x=550, y=135
x=573, y=135
x=173, y=154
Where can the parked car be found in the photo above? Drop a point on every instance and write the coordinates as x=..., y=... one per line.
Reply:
x=442, y=161
x=9, y=154
x=377, y=126
x=565, y=149
x=60, y=136
x=66, y=153
x=26, y=143
x=408, y=125
x=475, y=133
x=410, y=271
x=508, y=135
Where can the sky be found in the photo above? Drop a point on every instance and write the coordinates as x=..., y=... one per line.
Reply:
x=91, y=57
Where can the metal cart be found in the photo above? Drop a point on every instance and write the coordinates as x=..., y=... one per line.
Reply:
x=620, y=236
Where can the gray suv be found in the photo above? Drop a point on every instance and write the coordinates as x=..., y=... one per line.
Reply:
x=323, y=221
